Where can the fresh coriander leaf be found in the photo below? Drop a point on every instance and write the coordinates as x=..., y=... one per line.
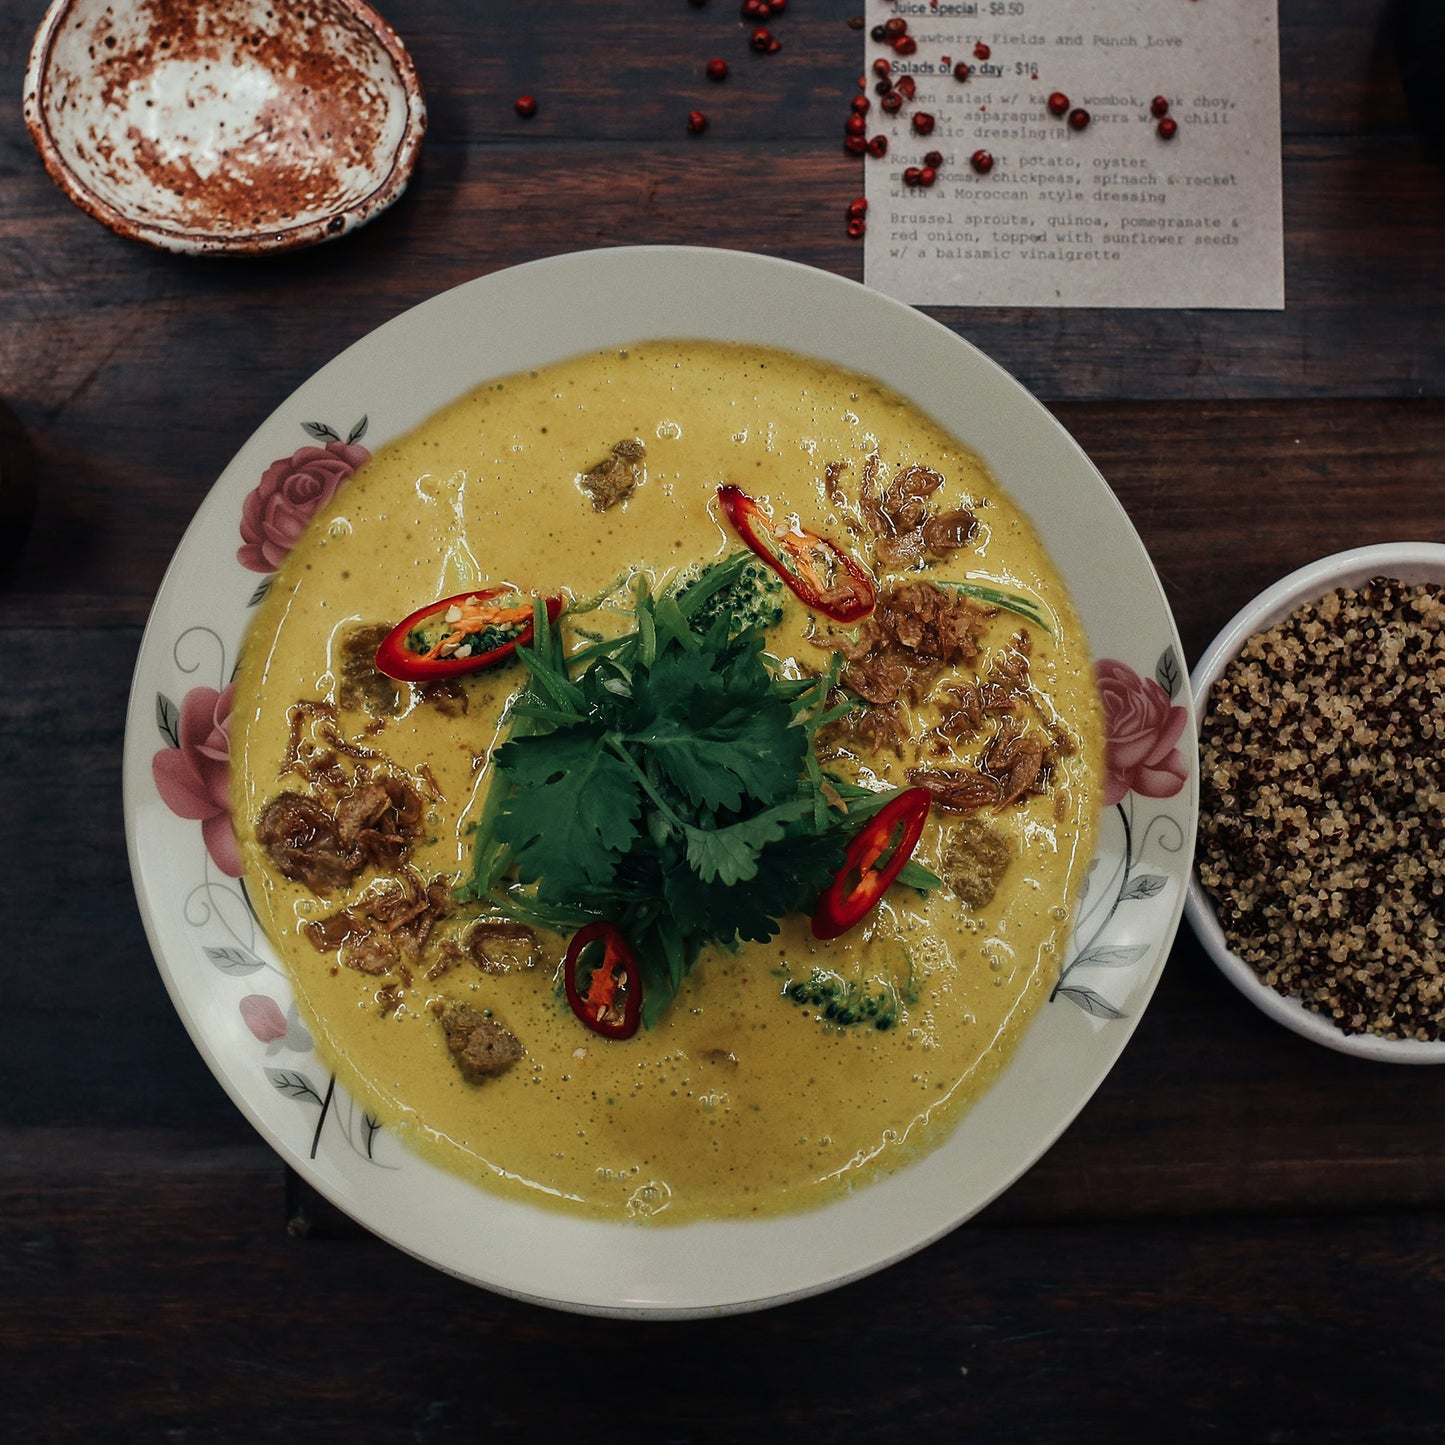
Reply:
x=730, y=853
x=718, y=743
x=572, y=810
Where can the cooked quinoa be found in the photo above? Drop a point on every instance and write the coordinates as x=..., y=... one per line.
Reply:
x=1322, y=834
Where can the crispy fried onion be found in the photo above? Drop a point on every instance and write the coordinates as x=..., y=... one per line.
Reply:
x=1011, y=766
x=916, y=630
x=385, y=930
x=326, y=841
x=904, y=530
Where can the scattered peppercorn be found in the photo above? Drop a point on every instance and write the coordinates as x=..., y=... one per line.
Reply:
x=927, y=175
x=1058, y=103
x=856, y=227
x=861, y=104
x=764, y=41
x=911, y=175
x=923, y=122
x=907, y=86
x=905, y=45
x=1168, y=127
x=717, y=69
x=895, y=27
x=856, y=125
x=525, y=106
x=892, y=102
x=855, y=145
x=878, y=145
x=981, y=161
x=981, y=51
x=1079, y=118
x=1159, y=106
x=696, y=122
x=934, y=159
x=882, y=67
x=962, y=70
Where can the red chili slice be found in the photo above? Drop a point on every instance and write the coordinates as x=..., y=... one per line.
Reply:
x=604, y=986
x=821, y=574
x=874, y=859
x=432, y=643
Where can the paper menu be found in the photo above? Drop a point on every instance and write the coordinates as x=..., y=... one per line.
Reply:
x=1116, y=212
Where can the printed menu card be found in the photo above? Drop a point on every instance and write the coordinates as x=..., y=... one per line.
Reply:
x=1063, y=153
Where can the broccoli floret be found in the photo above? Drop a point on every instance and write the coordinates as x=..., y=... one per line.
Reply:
x=741, y=587
x=843, y=1003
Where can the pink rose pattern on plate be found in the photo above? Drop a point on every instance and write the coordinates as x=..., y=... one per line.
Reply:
x=192, y=773
x=1142, y=728
x=1142, y=759
x=292, y=490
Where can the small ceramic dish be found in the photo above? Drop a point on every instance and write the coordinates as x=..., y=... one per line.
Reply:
x=1409, y=562
x=230, y=126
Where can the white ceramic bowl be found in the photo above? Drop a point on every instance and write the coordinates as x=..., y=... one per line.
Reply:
x=235, y=126
x=234, y=996
x=1408, y=562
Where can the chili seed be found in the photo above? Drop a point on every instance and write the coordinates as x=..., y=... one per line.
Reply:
x=1079, y=118
x=1058, y=103
x=878, y=145
x=1168, y=127
x=696, y=122
x=717, y=70
x=981, y=161
x=1159, y=105
x=923, y=122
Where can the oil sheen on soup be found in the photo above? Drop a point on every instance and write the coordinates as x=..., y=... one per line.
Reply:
x=783, y=1072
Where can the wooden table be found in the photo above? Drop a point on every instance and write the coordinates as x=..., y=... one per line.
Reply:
x=1242, y=1238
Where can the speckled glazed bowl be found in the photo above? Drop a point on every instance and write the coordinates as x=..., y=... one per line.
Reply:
x=1409, y=562
x=230, y=126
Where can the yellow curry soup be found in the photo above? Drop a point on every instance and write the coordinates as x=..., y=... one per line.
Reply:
x=746, y=1097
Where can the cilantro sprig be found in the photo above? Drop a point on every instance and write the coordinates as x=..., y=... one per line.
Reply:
x=665, y=780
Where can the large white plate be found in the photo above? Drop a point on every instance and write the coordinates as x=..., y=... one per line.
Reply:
x=230, y=990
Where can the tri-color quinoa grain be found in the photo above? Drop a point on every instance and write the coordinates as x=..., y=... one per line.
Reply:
x=1322, y=837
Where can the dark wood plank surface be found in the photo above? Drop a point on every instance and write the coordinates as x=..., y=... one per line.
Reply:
x=1242, y=1237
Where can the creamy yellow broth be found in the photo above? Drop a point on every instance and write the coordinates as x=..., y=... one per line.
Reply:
x=741, y=1101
